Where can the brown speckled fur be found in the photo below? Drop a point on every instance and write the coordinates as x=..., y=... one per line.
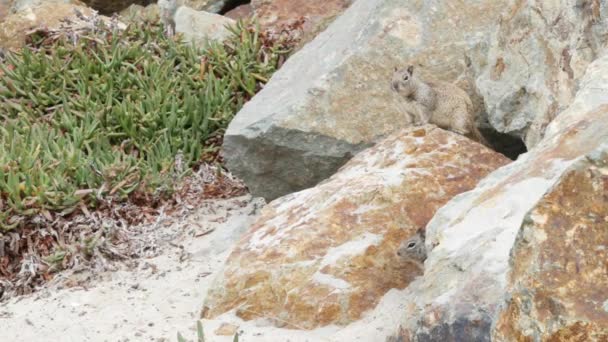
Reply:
x=442, y=103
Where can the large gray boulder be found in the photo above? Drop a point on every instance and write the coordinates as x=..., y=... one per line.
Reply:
x=539, y=53
x=332, y=98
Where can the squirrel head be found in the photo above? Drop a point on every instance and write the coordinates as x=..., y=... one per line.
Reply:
x=402, y=81
x=413, y=248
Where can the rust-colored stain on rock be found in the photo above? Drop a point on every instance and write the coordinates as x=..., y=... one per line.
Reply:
x=579, y=332
x=419, y=133
x=326, y=255
x=559, y=280
x=499, y=68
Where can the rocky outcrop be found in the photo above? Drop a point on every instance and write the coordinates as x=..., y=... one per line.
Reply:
x=332, y=98
x=538, y=55
x=199, y=26
x=522, y=257
x=326, y=255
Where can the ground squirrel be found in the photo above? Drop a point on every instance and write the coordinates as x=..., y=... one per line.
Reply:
x=439, y=103
x=413, y=249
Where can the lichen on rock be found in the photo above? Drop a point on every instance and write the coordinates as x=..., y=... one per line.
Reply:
x=326, y=255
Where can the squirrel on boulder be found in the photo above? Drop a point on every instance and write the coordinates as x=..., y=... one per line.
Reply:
x=439, y=103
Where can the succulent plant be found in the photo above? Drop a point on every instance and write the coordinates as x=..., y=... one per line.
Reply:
x=105, y=115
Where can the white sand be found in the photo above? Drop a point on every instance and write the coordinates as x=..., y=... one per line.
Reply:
x=151, y=302
x=163, y=295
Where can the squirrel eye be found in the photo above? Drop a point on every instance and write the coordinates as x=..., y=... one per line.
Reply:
x=411, y=245
x=406, y=77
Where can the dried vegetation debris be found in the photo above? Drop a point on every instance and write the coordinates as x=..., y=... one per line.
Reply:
x=94, y=240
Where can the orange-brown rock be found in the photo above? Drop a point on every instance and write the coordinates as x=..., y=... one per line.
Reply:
x=316, y=14
x=558, y=286
x=327, y=254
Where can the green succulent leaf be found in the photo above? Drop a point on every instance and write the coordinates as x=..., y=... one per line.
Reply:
x=107, y=114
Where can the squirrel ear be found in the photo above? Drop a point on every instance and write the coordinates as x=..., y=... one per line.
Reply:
x=410, y=69
x=421, y=231
x=395, y=69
